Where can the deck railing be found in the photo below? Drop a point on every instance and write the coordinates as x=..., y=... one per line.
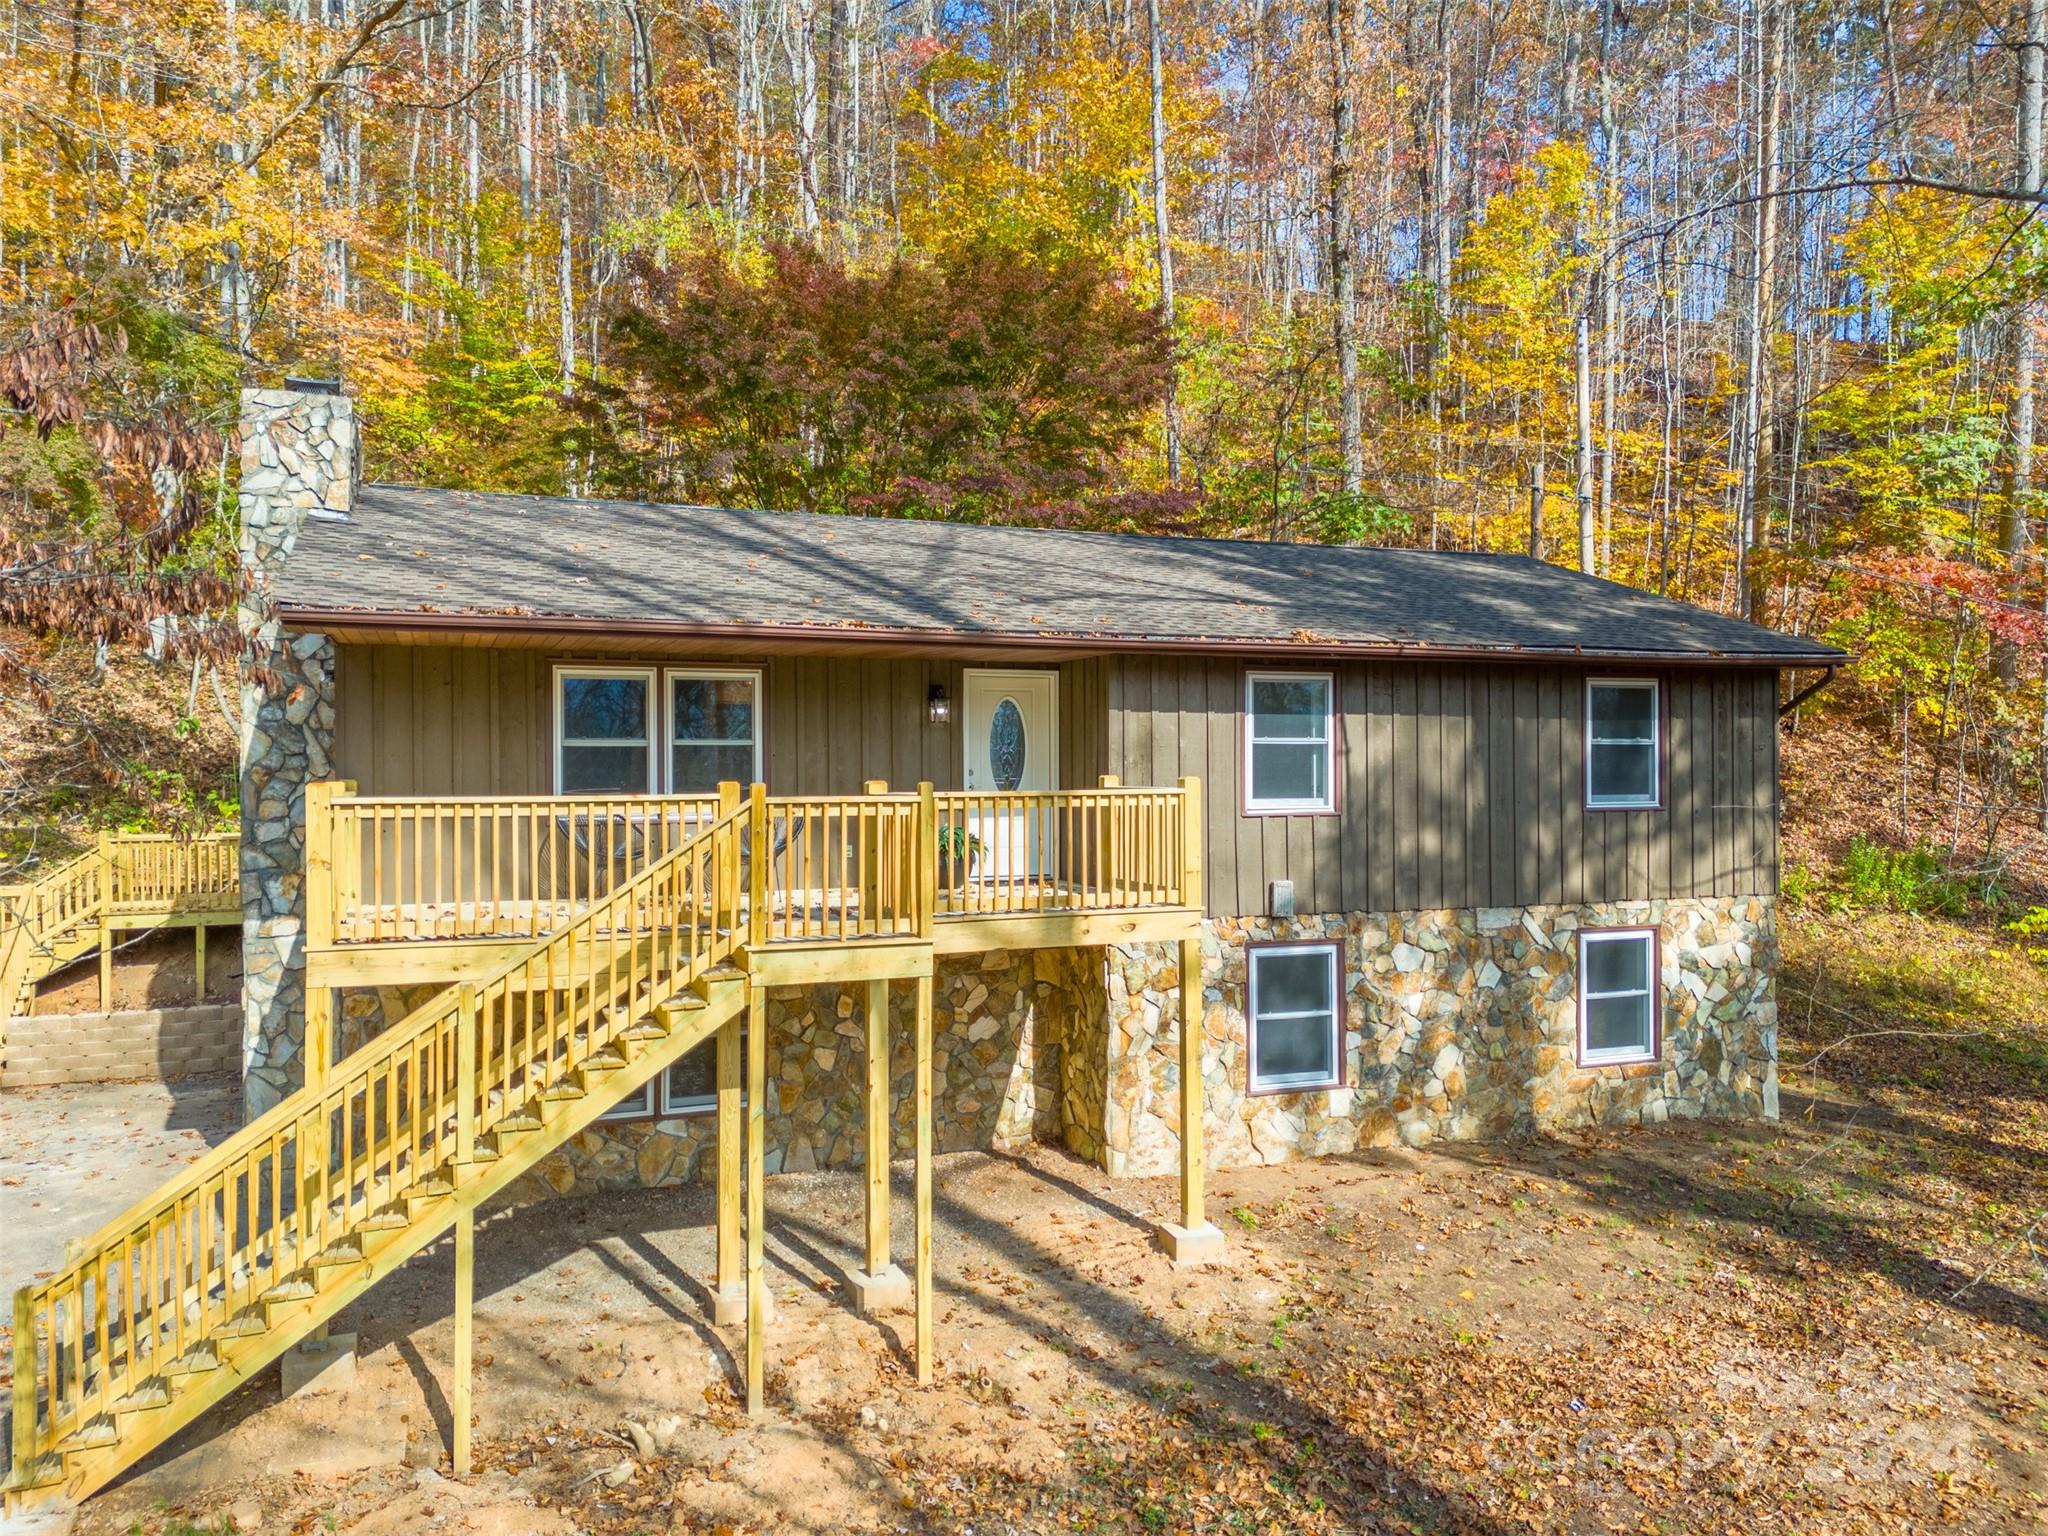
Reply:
x=444, y=867
x=1063, y=850
x=149, y=872
x=385, y=869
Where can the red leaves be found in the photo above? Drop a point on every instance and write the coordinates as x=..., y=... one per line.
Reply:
x=103, y=563
x=991, y=384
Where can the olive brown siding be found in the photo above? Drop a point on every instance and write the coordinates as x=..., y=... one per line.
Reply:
x=460, y=720
x=1462, y=786
x=1459, y=785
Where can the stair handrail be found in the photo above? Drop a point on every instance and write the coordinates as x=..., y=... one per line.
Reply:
x=37, y=914
x=675, y=920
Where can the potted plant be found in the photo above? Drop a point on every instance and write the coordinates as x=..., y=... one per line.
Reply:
x=959, y=852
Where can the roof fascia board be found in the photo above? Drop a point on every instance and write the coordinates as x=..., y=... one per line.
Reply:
x=807, y=636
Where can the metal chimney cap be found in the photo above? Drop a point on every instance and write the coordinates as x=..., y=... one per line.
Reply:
x=312, y=386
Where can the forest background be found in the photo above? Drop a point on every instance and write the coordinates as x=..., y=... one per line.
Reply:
x=1739, y=302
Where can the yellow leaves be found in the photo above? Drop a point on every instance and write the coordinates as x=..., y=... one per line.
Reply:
x=1517, y=285
x=1054, y=153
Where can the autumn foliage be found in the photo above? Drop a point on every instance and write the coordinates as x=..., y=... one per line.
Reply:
x=984, y=383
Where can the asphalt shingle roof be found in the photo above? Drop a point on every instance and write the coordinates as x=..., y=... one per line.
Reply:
x=500, y=559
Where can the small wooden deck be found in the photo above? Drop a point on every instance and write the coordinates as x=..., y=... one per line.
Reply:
x=128, y=881
x=411, y=890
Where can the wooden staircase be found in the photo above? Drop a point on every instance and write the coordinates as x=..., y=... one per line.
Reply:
x=46, y=925
x=178, y=1301
x=129, y=880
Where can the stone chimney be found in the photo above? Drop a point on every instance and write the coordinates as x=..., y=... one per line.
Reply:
x=299, y=458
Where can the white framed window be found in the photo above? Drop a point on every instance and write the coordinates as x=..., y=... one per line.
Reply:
x=690, y=1087
x=1618, y=991
x=604, y=731
x=1296, y=1017
x=714, y=729
x=1623, y=720
x=1290, y=756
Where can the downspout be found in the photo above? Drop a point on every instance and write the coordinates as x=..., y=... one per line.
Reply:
x=1827, y=676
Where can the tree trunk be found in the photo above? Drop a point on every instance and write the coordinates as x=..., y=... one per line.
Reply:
x=1343, y=278
x=1610, y=283
x=1762, y=291
x=2012, y=522
x=1163, y=232
x=1584, y=413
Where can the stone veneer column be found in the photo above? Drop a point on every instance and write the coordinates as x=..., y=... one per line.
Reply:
x=298, y=461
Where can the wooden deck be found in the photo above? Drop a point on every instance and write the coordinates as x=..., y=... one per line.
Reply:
x=409, y=890
x=127, y=881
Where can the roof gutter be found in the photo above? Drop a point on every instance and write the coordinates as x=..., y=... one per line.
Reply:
x=807, y=635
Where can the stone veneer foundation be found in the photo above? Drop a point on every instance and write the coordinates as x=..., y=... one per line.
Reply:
x=298, y=461
x=1459, y=1025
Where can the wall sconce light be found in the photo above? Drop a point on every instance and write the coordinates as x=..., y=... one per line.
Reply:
x=938, y=708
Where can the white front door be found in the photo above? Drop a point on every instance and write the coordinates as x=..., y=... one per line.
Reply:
x=1011, y=734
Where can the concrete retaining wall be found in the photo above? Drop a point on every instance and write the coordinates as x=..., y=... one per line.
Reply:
x=141, y=1043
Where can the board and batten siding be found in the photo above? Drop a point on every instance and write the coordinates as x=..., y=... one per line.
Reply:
x=467, y=720
x=1463, y=786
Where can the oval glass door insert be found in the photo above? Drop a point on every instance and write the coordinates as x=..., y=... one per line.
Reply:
x=1006, y=745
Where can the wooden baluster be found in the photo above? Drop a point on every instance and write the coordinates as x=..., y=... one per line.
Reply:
x=925, y=861
x=465, y=1073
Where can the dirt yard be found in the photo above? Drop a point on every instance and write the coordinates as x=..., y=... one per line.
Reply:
x=1838, y=1323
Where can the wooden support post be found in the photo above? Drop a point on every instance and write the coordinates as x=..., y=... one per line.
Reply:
x=1194, y=1239
x=465, y=1337
x=728, y=1300
x=923, y=1109
x=317, y=1049
x=757, y=1128
x=319, y=886
x=879, y=1286
x=1192, y=893
x=199, y=962
x=25, y=1378
x=878, y=1126
x=1191, y=1167
x=316, y=1052
x=106, y=874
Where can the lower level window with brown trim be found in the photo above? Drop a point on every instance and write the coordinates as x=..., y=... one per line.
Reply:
x=1295, y=1017
x=1618, y=994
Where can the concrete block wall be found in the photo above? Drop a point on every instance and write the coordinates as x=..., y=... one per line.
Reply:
x=132, y=1045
